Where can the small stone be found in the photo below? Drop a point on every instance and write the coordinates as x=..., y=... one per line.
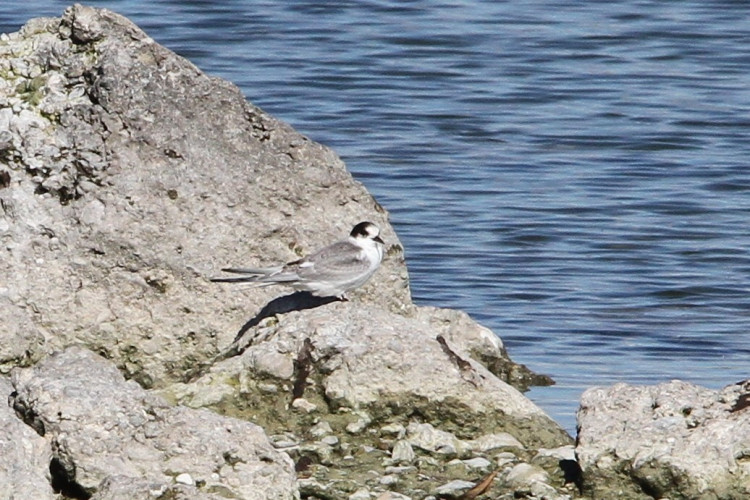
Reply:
x=330, y=440
x=269, y=388
x=480, y=463
x=426, y=437
x=402, y=452
x=360, y=494
x=392, y=495
x=454, y=488
x=562, y=453
x=491, y=441
x=400, y=470
x=304, y=405
x=393, y=429
x=523, y=475
x=185, y=478
x=358, y=426
x=388, y=480
x=320, y=429
x=505, y=458
x=282, y=441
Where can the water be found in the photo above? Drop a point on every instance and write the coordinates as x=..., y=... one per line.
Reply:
x=573, y=174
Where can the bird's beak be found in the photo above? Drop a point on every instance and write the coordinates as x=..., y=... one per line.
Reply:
x=379, y=240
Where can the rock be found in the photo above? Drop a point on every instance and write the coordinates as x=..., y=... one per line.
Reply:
x=360, y=494
x=372, y=375
x=361, y=358
x=505, y=458
x=673, y=440
x=102, y=426
x=489, y=442
x=480, y=463
x=454, y=488
x=24, y=456
x=532, y=481
x=561, y=453
x=402, y=452
x=21, y=341
x=392, y=495
x=524, y=474
x=428, y=438
x=481, y=343
x=321, y=429
x=133, y=178
x=128, y=179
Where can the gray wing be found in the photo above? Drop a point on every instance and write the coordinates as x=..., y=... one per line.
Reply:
x=342, y=259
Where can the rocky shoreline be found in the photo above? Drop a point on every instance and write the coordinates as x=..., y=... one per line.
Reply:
x=128, y=178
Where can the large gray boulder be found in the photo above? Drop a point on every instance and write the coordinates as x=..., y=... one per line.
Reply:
x=356, y=358
x=102, y=427
x=129, y=177
x=325, y=382
x=674, y=440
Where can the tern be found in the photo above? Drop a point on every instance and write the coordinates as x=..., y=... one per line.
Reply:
x=329, y=272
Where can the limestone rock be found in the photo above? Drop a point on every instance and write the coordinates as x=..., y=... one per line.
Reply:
x=673, y=440
x=481, y=343
x=356, y=357
x=102, y=426
x=130, y=178
x=24, y=456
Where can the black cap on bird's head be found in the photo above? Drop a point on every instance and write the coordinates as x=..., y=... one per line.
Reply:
x=366, y=230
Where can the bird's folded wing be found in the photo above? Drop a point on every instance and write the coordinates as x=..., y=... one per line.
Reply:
x=339, y=259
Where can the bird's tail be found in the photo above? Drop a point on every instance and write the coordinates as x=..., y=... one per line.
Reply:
x=251, y=274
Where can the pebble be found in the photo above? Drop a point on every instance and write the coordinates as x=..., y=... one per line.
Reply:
x=402, y=452
x=523, y=474
x=394, y=429
x=454, y=487
x=562, y=453
x=480, y=463
x=400, y=470
x=268, y=388
x=320, y=429
x=330, y=440
x=358, y=426
x=505, y=458
x=185, y=478
x=360, y=494
x=392, y=495
x=304, y=405
x=491, y=441
x=426, y=437
x=388, y=480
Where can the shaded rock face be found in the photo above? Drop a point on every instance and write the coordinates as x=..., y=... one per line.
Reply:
x=25, y=455
x=102, y=427
x=129, y=177
x=674, y=440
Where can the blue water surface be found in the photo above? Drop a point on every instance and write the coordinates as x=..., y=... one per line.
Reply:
x=573, y=174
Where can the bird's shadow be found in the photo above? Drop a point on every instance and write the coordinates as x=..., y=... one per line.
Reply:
x=297, y=301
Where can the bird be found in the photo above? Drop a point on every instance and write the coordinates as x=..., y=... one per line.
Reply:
x=329, y=272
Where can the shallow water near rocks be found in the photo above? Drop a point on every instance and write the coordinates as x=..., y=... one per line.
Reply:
x=573, y=175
